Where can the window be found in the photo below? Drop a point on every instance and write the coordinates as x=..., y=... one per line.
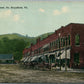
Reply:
x=58, y=43
x=47, y=59
x=63, y=42
x=69, y=39
x=66, y=41
x=50, y=44
x=52, y=59
x=77, y=39
x=76, y=58
x=54, y=43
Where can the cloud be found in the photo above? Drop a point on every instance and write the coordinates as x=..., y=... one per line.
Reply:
x=56, y=12
x=5, y=14
x=16, y=17
x=22, y=21
x=65, y=9
x=8, y=12
x=41, y=10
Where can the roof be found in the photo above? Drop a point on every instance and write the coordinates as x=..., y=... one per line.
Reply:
x=6, y=57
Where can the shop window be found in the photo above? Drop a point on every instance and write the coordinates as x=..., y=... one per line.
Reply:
x=77, y=39
x=76, y=58
x=40, y=60
x=52, y=59
x=47, y=59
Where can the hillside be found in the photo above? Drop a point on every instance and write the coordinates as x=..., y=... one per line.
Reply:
x=27, y=39
x=15, y=36
x=15, y=43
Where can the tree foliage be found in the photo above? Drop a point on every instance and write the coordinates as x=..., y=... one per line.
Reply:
x=12, y=46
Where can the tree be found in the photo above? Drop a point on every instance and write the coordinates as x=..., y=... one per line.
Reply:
x=17, y=55
x=12, y=46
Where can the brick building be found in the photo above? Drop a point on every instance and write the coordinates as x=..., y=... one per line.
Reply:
x=65, y=43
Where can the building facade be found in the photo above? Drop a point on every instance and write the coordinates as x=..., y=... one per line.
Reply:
x=65, y=43
x=6, y=59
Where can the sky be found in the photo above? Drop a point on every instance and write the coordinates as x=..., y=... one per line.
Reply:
x=38, y=17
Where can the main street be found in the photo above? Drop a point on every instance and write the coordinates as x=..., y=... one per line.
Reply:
x=15, y=74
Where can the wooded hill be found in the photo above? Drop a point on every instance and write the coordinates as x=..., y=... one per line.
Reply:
x=15, y=43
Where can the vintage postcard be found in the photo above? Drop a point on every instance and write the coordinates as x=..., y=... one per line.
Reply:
x=42, y=41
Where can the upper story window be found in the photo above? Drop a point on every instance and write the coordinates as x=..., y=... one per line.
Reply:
x=56, y=43
x=66, y=40
x=59, y=43
x=53, y=43
x=63, y=42
x=77, y=39
x=50, y=44
x=69, y=39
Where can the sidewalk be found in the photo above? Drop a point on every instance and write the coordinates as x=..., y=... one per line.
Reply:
x=70, y=70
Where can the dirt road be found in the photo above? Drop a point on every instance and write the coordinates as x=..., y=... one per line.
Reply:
x=15, y=74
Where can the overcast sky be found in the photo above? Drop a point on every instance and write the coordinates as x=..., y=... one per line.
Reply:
x=40, y=17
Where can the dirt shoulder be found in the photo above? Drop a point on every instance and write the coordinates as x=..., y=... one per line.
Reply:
x=15, y=74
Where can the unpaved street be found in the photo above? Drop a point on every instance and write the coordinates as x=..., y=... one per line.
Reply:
x=15, y=74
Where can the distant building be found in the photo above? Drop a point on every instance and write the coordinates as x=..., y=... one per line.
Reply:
x=66, y=42
x=6, y=58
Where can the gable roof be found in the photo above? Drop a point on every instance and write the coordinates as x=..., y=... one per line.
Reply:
x=6, y=57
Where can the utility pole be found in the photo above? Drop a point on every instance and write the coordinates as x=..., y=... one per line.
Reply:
x=49, y=61
x=60, y=60
x=65, y=55
x=59, y=50
x=65, y=58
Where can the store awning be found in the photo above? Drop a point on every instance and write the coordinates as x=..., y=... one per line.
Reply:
x=26, y=59
x=63, y=54
x=45, y=46
x=23, y=58
x=34, y=58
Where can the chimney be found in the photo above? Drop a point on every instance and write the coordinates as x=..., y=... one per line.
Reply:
x=31, y=44
x=38, y=39
x=55, y=31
